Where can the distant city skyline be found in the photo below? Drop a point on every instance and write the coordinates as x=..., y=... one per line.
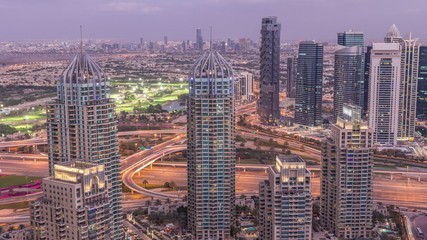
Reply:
x=24, y=20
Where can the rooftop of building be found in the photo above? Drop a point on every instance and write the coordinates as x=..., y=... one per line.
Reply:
x=290, y=158
x=79, y=164
x=78, y=167
x=82, y=69
x=386, y=46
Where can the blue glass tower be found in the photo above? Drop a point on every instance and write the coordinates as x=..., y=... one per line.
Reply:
x=308, y=101
x=422, y=84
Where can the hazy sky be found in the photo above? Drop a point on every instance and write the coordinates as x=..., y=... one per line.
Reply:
x=178, y=19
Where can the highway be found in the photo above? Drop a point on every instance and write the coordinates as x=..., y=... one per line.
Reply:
x=144, y=159
x=399, y=191
x=24, y=168
x=311, y=168
x=22, y=143
x=43, y=141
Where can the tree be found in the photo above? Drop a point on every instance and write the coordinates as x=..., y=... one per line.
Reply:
x=167, y=185
x=148, y=203
x=172, y=184
x=145, y=182
x=242, y=196
x=242, y=144
x=158, y=202
x=7, y=130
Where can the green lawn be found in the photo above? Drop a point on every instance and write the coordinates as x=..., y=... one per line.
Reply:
x=13, y=180
x=36, y=115
x=27, y=120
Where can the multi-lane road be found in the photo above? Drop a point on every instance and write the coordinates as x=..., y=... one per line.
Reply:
x=399, y=191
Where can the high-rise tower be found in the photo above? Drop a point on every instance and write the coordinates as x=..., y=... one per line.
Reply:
x=408, y=82
x=348, y=71
x=268, y=105
x=346, y=180
x=291, y=77
x=211, y=148
x=199, y=39
x=82, y=126
x=285, y=203
x=351, y=38
x=384, y=90
x=308, y=101
x=422, y=84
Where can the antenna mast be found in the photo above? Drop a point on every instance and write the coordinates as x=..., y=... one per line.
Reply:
x=81, y=40
x=210, y=44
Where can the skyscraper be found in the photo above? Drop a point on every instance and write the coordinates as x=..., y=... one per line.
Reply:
x=285, y=208
x=211, y=148
x=74, y=205
x=366, y=77
x=384, y=87
x=199, y=39
x=346, y=180
x=81, y=126
x=268, y=105
x=141, y=43
x=348, y=71
x=351, y=38
x=308, y=102
x=408, y=82
x=422, y=84
x=244, y=87
x=291, y=77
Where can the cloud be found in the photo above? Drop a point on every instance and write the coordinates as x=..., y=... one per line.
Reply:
x=132, y=7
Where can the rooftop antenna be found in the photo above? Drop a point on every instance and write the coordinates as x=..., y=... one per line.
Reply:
x=210, y=44
x=81, y=40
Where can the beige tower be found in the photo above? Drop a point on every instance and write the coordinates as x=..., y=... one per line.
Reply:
x=74, y=204
x=285, y=209
x=346, y=180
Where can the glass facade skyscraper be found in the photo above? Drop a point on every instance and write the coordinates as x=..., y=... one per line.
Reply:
x=348, y=71
x=351, y=38
x=82, y=126
x=308, y=102
x=199, y=39
x=211, y=148
x=291, y=77
x=422, y=84
x=268, y=105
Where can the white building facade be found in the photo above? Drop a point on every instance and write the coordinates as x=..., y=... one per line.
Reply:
x=384, y=90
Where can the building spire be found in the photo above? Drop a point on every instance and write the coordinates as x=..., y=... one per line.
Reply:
x=81, y=40
x=210, y=41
